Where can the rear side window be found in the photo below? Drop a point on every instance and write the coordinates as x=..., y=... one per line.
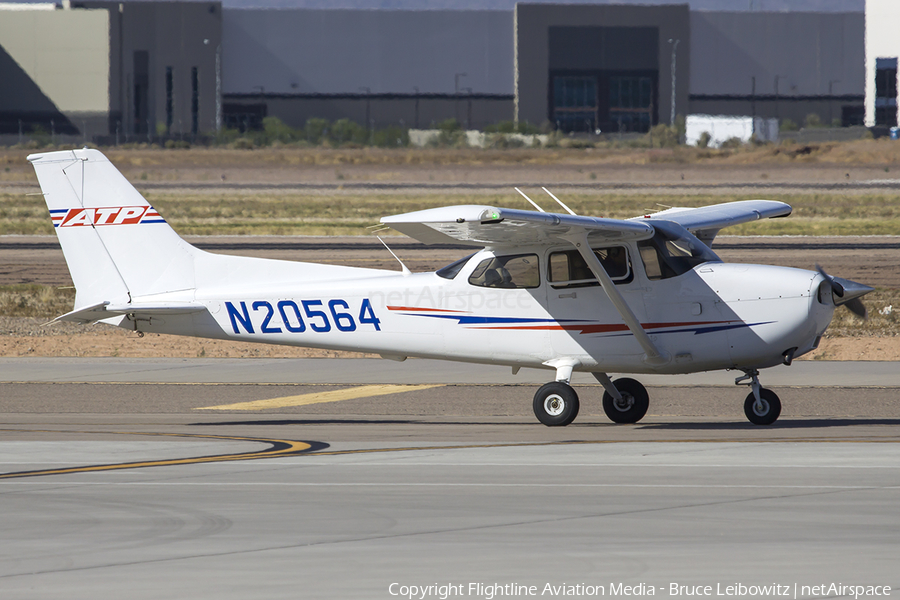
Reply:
x=510, y=272
x=568, y=269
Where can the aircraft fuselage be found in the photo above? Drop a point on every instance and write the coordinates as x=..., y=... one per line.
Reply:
x=713, y=316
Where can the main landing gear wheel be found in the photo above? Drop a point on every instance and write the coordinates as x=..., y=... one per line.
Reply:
x=556, y=404
x=633, y=405
x=764, y=412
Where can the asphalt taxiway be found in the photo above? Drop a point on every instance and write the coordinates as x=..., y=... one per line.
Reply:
x=341, y=478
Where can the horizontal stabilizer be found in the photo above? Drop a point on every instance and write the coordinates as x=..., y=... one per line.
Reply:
x=105, y=310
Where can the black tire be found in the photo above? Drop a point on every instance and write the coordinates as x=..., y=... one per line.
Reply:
x=635, y=405
x=556, y=404
x=769, y=410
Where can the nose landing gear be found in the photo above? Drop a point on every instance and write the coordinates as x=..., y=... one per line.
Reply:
x=762, y=405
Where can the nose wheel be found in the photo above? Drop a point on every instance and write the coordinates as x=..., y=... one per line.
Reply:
x=762, y=411
x=762, y=405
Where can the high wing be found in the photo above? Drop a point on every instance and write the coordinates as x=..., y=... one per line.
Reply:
x=706, y=221
x=488, y=226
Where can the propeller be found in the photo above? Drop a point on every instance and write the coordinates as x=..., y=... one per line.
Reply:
x=847, y=293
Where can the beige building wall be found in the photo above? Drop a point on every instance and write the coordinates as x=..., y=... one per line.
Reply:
x=65, y=53
x=882, y=41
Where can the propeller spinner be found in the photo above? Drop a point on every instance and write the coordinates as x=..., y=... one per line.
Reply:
x=847, y=293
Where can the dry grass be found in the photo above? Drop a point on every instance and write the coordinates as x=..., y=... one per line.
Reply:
x=884, y=317
x=858, y=152
x=350, y=213
x=31, y=300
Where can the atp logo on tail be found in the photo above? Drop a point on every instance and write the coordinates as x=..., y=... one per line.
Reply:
x=110, y=215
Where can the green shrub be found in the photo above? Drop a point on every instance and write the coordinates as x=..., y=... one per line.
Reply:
x=315, y=130
x=276, y=130
x=788, y=125
x=703, y=140
x=501, y=141
x=523, y=127
x=390, y=137
x=242, y=143
x=449, y=125
x=345, y=131
x=663, y=136
x=227, y=136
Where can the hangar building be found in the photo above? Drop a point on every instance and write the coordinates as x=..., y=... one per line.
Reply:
x=181, y=68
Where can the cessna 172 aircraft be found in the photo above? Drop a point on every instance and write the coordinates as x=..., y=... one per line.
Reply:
x=543, y=290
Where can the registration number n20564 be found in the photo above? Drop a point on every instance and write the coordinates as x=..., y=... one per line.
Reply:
x=293, y=316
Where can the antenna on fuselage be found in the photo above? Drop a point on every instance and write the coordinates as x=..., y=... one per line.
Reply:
x=560, y=202
x=533, y=203
x=402, y=266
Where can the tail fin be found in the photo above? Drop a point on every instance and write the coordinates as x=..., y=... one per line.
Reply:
x=116, y=245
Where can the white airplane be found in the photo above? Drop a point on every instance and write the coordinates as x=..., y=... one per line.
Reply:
x=543, y=290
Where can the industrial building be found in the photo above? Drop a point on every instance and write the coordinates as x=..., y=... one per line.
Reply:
x=187, y=68
x=882, y=51
x=127, y=70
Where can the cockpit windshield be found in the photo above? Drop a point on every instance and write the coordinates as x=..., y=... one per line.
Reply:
x=673, y=250
x=453, y=269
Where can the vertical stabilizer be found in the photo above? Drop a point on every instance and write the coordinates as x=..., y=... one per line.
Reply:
x=116, y=245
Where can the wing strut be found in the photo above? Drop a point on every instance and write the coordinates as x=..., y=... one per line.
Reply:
x=653, y=356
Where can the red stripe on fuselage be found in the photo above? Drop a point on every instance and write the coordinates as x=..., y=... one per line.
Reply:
x=598, y=328
x=415, y=309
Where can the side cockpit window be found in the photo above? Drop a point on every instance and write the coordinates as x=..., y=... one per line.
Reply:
x=672, y=251
x=509, y=272
x=568, y=268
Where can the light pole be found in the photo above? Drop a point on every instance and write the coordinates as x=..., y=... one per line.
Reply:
x=753, y=95
x=830, y=99
x=777, y=112
x=456, y=91
x=468, y=91
x=262, y=104
x=218, y=88
x=368, y=92
x=456, y=81
x=674, y=79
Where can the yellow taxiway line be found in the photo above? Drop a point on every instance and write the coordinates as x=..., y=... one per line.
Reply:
x=365, y=391
x=277, y=448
